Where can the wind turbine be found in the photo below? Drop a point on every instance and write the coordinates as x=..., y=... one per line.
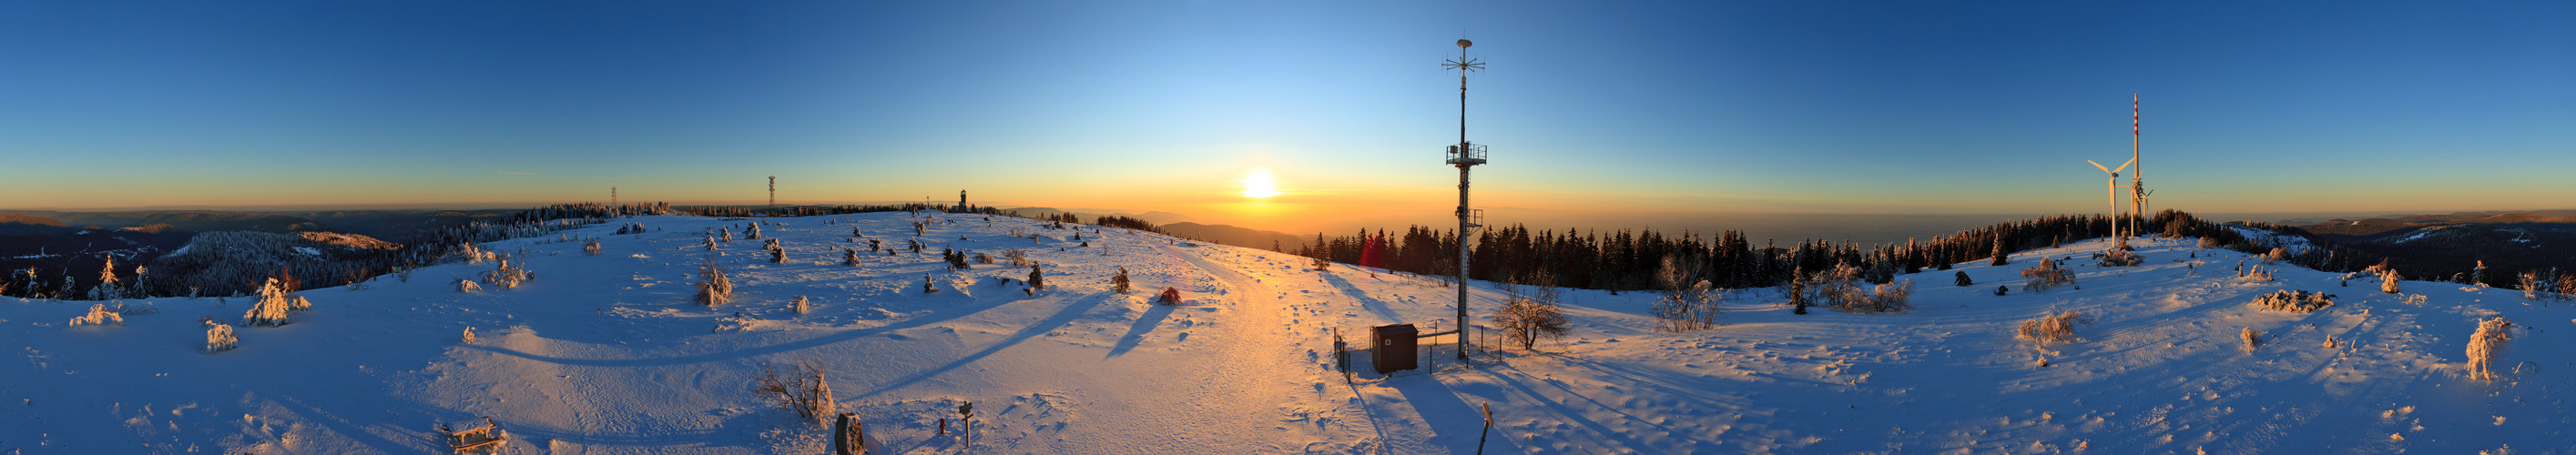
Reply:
x=2112, y=189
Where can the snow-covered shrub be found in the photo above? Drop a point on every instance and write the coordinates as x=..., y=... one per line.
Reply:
x=1037, y=280
x=777, y=255
x=735, y=323
x=2000, y=255
x=1525, y=320
x=2388, y=281
x=2485, y=344
x=2276, y=255
x=1017, y=257
x=1322, y=264
x=509, y=274
x=926, y=287
x=800, y=306
x=2055, y=327
x=956, y=259
x=219, y=338
x=1686, y=309
x=1888, y=297
x=271, y=308
x=2252, y=338
x=2207, y=242
x=753, y=233
x=2294, y=301
x=2121, y=258
x=1961, y=278
x=98, y=315
x=470, y=254
x=850, y=257
x=590, y=247
x=2255, y=273
x=1170, y=296
x=134, y=309
x=713, y=287
x=2531, y=284
x=981, y=258
x=1119, y=282
x=469, y=335
x=711, y=243
x=2046, y=275
x=467, y=285
x=807, y=393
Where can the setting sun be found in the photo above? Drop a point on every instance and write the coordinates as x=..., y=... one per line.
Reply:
x=1258, y=185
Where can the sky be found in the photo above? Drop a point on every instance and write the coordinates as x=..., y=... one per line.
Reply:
x=1606, y=114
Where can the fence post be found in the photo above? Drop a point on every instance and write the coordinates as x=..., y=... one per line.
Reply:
x=1489, y=428
x=847, y=439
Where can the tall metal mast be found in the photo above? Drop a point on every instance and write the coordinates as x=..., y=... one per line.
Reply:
x=1464, y=155
x=2137, y=182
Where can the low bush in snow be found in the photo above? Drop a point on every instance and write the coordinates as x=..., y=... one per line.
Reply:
x=467, y=285
x=2485, y=344
x=800, y=306
x=2207, y=242
x=2388, y=281
x=2055, y=327
x=1685, y=309
x=2046, y=275
x=850, y=257
x=1037, y=280
x=219, y=338
x=1170, y=296
x=2294, y=301
x=2252, y=338
x=2120, y=258
x=509, y=274
x=1119, y=282
x=469, y=335
x=590, y=247
x=805, y=393
x=1961, y=278
x=98, y=315
x=1321, y=264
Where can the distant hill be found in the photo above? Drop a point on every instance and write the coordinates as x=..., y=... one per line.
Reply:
x=1237, y=236
x=16, y=224
x=2454, y=244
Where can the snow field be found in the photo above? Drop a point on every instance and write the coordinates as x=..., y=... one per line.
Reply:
x=605, y=354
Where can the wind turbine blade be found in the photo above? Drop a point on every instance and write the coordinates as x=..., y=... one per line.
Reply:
x=2123, y=166
x=2105, y=169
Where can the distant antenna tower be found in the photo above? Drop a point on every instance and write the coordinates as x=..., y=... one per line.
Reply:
x=773, y=193
x=1464, y=154
x=612, y=196
x=2137, y=182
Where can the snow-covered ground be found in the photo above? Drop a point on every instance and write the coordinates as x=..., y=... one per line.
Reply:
x=606, y=354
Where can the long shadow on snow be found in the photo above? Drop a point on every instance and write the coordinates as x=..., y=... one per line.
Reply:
x=1371, y=303
x=939, y=315
x=1450, y=419
x=1145, y=324
x=1061, y=318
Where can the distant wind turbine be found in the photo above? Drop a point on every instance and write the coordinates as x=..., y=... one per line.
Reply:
x=2113, y=188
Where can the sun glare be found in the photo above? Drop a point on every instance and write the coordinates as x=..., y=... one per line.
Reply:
x=1258, y=185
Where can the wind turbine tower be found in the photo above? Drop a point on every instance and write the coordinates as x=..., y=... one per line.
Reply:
x=2111, y=191
x=1464, y=155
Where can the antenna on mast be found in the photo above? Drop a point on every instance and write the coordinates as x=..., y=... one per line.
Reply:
x=1464, y=154
x=2137, y=182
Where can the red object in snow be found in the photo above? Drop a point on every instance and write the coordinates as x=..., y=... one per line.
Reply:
x=943, y=426
x=1171, y=296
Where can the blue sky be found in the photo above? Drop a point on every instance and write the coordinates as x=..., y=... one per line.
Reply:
x=1591, y=109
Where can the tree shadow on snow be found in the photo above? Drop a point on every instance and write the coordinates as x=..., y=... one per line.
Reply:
x=1371, y=303
x=1145, y=325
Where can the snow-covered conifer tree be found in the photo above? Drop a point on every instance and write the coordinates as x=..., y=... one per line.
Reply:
x=271, y=308
x=2485, y=344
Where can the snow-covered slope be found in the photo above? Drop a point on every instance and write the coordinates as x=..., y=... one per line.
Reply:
x=606, y=354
